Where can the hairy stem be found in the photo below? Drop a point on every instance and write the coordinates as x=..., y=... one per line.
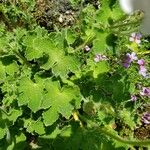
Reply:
x=123, y=24
x=111, y=133
x=126, y=141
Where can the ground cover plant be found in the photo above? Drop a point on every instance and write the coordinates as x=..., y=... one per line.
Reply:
x=74, y=75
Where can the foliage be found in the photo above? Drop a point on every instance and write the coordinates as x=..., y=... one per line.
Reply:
x=68, y=87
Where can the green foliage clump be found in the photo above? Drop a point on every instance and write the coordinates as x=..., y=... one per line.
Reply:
x=67, y=88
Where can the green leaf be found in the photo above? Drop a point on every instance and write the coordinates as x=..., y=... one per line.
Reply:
x=89, y=15
x=53, y=49
x=2, y=72
x=116, y=146
x=99, y=68
x=55, y=56
x=7, y=66
x=30, y=93
x=108, y=12
x=3, y=128
x=66, y=64
x=70, y=36
x=36, y=47
x=104, y=13
x=119, y=91
x=61, y=64
x=117, y=13
x=19, y=142
x=34, y=126
x=75, y=2
x=12, y=68
x=62, y=100
x=20, y=138
x=132, y=88
x=13, y=115
x=3, y=43
x=50, y=116
x=99, y=44
x=54, y=134
x=127, y=118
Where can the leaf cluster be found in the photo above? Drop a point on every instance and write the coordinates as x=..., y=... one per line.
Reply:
x=54, y=94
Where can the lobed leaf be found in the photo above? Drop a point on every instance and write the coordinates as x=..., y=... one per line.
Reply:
x=30, y=93
x=62, y=101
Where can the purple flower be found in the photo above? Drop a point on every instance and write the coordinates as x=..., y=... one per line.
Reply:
x=146, y=118
x=127, y=61
x=141, y=62
x=145, y=91
x=126, y=65
x=129, y=58
x=87, y=48
x=133, y=56
x=143, y=71
x=135, y=37
x=99, y=57
x=133, y=98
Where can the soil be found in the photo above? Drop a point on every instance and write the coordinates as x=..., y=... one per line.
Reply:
x=51, y=13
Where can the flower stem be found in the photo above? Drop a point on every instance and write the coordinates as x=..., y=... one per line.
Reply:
x=112, y=134
x=125, y=141
x=124, y=24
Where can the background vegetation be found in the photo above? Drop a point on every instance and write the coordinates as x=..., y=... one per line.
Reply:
x=74, y=75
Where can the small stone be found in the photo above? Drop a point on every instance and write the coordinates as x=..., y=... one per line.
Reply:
x=60, y=19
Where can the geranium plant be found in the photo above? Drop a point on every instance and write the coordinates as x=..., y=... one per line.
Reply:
x=76, y=87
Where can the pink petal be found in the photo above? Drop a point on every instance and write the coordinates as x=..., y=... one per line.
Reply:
x=138, y=41
x=141, y=62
